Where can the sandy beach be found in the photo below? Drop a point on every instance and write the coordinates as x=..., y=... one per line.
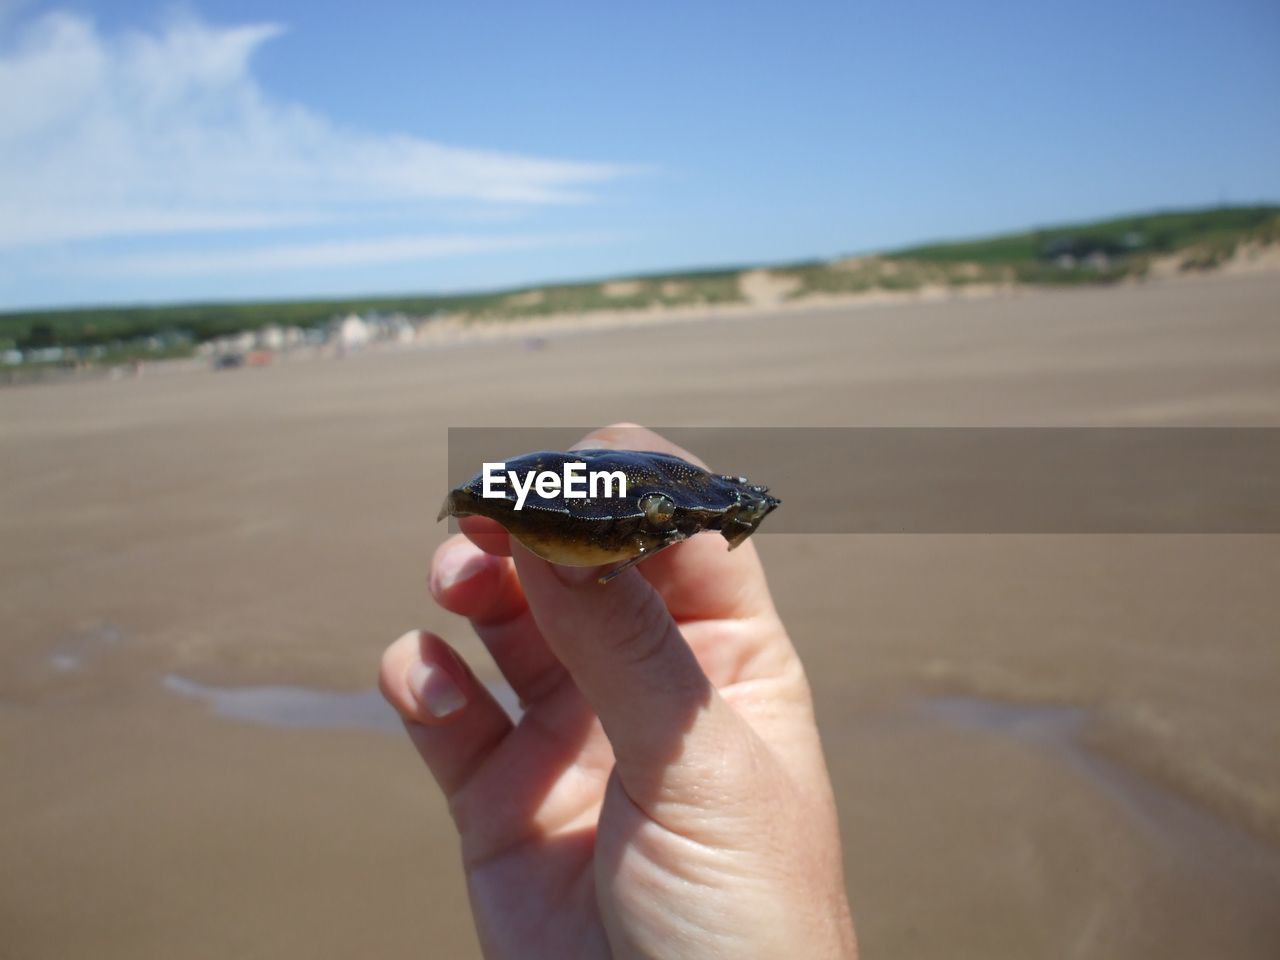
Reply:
x=1041, y=745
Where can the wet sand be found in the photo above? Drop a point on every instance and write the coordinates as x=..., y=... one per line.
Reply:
x=1042, y=745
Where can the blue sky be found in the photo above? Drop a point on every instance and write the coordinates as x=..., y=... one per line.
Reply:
x=281, y=148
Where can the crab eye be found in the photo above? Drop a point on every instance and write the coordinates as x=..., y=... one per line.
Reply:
x=658, y=508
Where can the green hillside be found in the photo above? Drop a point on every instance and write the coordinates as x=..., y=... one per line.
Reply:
x=1155, y=233
x=1097, y=252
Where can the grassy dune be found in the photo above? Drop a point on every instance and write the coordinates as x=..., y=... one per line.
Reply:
x=1098, y=252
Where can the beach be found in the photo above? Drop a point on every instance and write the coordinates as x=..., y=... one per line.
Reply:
x=1063, y=745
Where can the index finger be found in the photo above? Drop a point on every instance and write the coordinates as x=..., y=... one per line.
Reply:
x=699, y=579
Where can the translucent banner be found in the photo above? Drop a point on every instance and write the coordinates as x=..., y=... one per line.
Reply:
x=965, y=480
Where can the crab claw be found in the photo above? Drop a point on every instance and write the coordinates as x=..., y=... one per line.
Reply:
x=446, y=508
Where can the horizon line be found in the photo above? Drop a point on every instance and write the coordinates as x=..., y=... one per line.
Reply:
x=724, y=268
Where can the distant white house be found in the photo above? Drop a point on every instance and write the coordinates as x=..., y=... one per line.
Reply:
x=352, y=332
x=270, y=337
x=402, y=330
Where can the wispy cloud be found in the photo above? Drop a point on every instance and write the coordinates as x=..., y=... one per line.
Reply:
x=310, y=256
x=166, y=132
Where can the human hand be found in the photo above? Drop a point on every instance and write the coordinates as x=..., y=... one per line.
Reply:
x=664, y=793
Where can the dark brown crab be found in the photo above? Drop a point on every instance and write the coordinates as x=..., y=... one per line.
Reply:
x=667, y=500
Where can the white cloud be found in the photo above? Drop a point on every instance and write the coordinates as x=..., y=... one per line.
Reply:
x=331, y=254
x=168, y=132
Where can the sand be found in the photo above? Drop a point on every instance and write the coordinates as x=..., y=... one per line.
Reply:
x=1042, y=746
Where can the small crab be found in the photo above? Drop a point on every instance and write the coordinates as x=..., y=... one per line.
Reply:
x=667, y=500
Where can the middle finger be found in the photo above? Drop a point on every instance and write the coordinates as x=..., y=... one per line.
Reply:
x=485, y=589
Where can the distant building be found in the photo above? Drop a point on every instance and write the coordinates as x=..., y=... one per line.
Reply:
x=270, y=337
x=401, y=329
x=352, y=332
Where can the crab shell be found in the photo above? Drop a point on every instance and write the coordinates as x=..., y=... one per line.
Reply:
x=667, y=500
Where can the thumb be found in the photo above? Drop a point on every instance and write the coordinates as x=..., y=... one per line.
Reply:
x=665, y=720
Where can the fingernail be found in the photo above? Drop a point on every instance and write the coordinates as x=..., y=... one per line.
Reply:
x=612, y=437
x=436, y=690
x=595, y=443
x=459, y=565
